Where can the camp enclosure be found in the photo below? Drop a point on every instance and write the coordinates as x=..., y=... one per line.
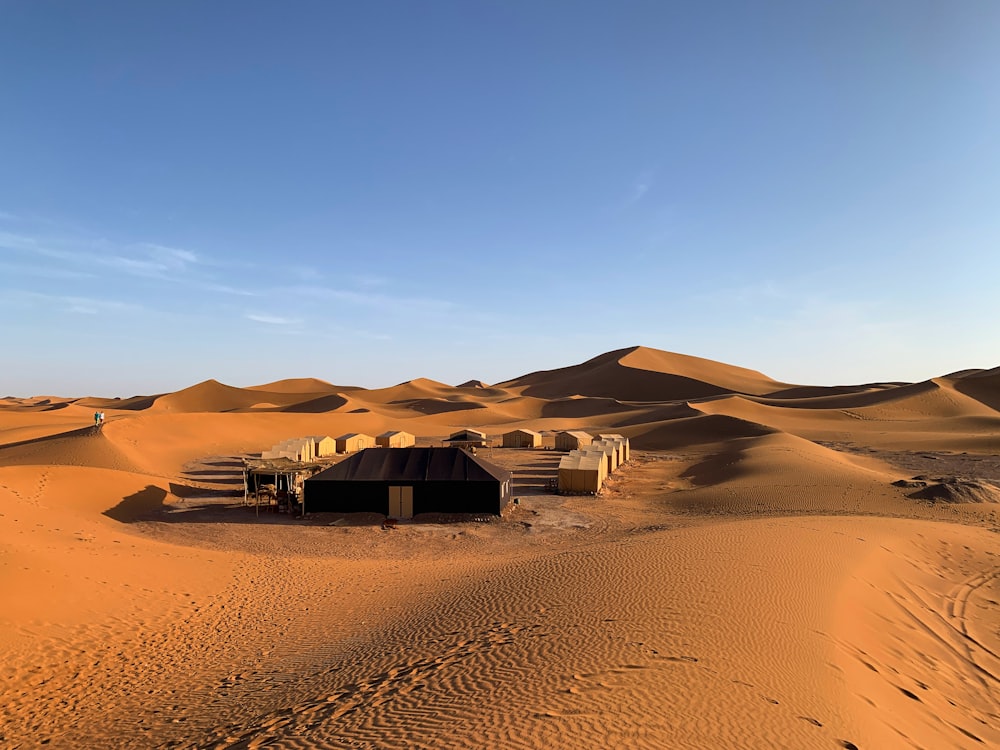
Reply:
x=404, y=482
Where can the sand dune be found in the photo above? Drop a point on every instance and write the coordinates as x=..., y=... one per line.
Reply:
x=298, y=385
x=641, y=374
x=694, y=431
x=769, y=571
x=983, y=386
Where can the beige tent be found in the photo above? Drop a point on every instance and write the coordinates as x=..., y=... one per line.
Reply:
x=522, y=439
x=572, y=440
x=303, y=445
x=467, y=438
x=395, y=439
x=610, y=450
x=354, y=441
x=273, y=454
x=295, y=449
x=623, y=444
x=323, y=445
x=581, y=473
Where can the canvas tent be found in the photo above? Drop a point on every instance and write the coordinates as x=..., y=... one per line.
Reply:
x=294, y=449
x=323, y=445
x=622, y=443
x=582, y=473
x=610, y=450
x=572, y=440
x=394, y=439
x=522, y=439
x=404, y=482
x=354, y=441
x=467, y=438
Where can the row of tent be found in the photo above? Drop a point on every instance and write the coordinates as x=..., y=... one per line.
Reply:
x=304, y=449
x=583, y=470
x=568, y=440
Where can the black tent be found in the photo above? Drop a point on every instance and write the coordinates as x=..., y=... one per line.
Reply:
x=404, y=482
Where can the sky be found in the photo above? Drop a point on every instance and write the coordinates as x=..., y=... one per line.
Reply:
x=372, y=192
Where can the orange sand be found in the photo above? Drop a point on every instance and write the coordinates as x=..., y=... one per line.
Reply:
x=752, y=579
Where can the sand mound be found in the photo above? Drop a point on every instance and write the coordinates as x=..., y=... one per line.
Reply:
x=409, y=390
x=983, y=386
x=318, y=405
x=951, y=489
x=441, y=405
x=81, y=447
x=785, y=473
x=473, y=384
x=698, y=430
x=931, y=398
x=640, y=374
x=580, y=407
x=297, y=385
x=134, y=403
x=213, y=396
x=210, y=396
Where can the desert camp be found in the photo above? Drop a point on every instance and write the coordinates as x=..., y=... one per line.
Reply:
x=706, y=516
x=500, y=376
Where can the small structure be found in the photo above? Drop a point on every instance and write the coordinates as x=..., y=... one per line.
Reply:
x=394, y=439
x=610, y=450
x=522, y=439
x=622, y=443
x=295, y=449
x=354, y=441
x=582, y=473
x=323, y=445
x=572, y=440
x=276, y=483
x=467, y=438
x=404, y=482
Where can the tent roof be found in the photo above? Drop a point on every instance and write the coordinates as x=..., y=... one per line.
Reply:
x=349, y=435
x=576, y=433
x=413, y=465
x=279, y=465
x=390, y=433
x=466, y=434
x=523, y=431
x=577, y=460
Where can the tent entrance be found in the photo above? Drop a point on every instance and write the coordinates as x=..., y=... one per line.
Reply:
x=400, y=502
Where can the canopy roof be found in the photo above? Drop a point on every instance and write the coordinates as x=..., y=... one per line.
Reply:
x=413, y=465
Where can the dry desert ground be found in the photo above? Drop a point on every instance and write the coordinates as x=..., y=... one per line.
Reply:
x=778, y=566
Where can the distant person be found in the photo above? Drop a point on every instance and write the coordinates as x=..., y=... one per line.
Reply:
x=102, y=418
x=97, y=419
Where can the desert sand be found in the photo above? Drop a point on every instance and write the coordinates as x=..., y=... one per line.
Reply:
x=780, y=565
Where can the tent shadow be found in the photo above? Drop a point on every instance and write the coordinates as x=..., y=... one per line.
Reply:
x=143, y=505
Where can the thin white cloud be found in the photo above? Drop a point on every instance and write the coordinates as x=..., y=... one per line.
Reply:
x=46, y=272
x=69, y=303
x=225, y=289
x=171, y=257
x=273, y=320
x=373, y=299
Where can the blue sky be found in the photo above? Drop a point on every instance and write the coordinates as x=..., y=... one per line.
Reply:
x=369, y=192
